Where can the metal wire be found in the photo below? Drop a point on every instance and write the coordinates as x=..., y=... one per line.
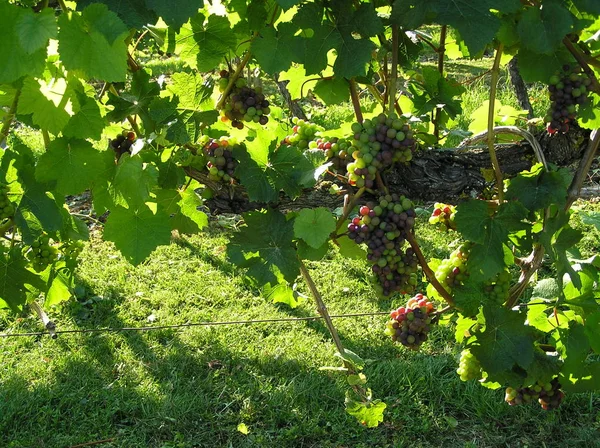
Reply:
x=193, y=324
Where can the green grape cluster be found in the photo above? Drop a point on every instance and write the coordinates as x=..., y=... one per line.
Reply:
x=72, y=249
x=41, y=253
x=548, y=395
x=410, y=324
x=443, y=216
x=221, y=163
x=468, y=366
x=243, y=103
x=376, y=145
x=382, y=227
x=7, y=208
x=303, y=135
x=498, y=287
x=568, y=89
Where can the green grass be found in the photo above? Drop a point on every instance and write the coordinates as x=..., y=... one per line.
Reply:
x=193, y=387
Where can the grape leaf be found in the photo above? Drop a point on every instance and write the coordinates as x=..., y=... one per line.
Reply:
x=34, y=30
x=46, y=103
x=87, y=122
x=273, y=49
x=314, y=226
x=350, y=249
x=542, y=29
x=369, y=414
x=282, y=293
x=136, y=232
x=353, y=56
x=536, y=189
x=535, y=67
x=506, y=341
x=203, y=46
x=325, y=38
x=588, y=116
x=305, y=252
x=135, y=13
x=411, y=14
x=332, y=91
x=14, y=278
x=182, y=208
x=264, y=246
x=17, y=61
x=547, y=289
x=132, y=181
x=468, y=297
x=592, y=330
x=85, y=48
x=73, y=164
x=434, y=90
x=175, y=13
x=287, y=4
x=537, y=314
x=59, y=290
x=589, y=6
x=365, y=21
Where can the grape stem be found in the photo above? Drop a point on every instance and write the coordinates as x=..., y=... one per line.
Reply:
x=490, y=128
x=63, y=6
x=355, y=100
x=322, y=308
x=232, y=79
x=583, y=63
x=583, y=168
x=348, y=206
x=394, y=75
x=46, y=137
x=410, y=237
x=441, y=51
x=380, y=184
x=379, y=97
x=10, y=116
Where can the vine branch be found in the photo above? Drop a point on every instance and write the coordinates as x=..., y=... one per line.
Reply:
x=355, y=100
x=10, y=116
x=394, y=76
x=583, y=168
x=491, y=114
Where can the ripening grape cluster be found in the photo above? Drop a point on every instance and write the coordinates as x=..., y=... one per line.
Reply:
x=122, y=143
x=548, y=395
x=304, y=133
x=382, y=227
x=41, y=253
x=221, y=164
x=443, y=216
x=568, y=89
x=468, y=366
x=377, y=144
x=243, y=103
x=7, y=208
x=410, y=324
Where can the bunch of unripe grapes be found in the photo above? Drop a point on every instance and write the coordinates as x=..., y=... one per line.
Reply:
x=41, y=253
x=243, y=103
x=443, y=216
x=221, y=164
x=7, y=208
x=468, y=366
x=497, y=289
x=568, y=89
x=122, y=143
x=548, y=395
x=410, y=324
x=72, y=249
x=304, y=134
x=377, y=144
x=382, y=227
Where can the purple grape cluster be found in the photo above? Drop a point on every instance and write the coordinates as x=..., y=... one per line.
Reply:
x=567, y=89
x=244, y=103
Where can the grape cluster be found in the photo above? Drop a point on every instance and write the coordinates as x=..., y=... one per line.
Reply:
x=243, y=103
x=567, y=88
x=122, y=143
x=72, y=249
x=411, y=324
x=443, y=216
x=549, y=395
x=7, y=208
x=377, y=144
x=221, y=164
x=304, y=134
x=382, y=227
x=468, y=366
x=41, y=253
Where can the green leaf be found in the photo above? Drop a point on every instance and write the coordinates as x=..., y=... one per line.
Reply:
x=282, y=293
x=537, y=314
x=17, y=60
x=136, y=232
x=350, y=249
x=536, y=189
x=287, y=4
x=351, y=358
x=14, y=279
x=468, y=297
x=314, y=226
x=365, y=21
x=34, y=30
x=273, y=49
x=132, y=182
x=592, y=330
x=542, y=29
x=59, y=291
x=332, y=91
x=535, y=67
x=369, y=414
x=136, y=99
x=590, y=218
x=46, y=103
x=547, y=289
x=265, y=247
x=88, y=122
x=433, y=90
x=463, y=328
x=588, y=115
x=85, y=48
x=135, y=13
x=305, y=252
x=353, y=56
x=203, y=46
x=589, y=6
x=189, y=204
x=411, y=14
x=505, y=342
x=175, y=12
x=73, y=164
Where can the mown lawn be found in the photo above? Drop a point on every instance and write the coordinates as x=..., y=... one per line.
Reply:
x=192, y=388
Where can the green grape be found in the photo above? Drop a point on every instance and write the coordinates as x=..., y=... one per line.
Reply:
x=41, y=253
x=7, y=208
x=468, y=368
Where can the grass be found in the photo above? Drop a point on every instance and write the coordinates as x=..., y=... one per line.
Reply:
x=193, y=388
